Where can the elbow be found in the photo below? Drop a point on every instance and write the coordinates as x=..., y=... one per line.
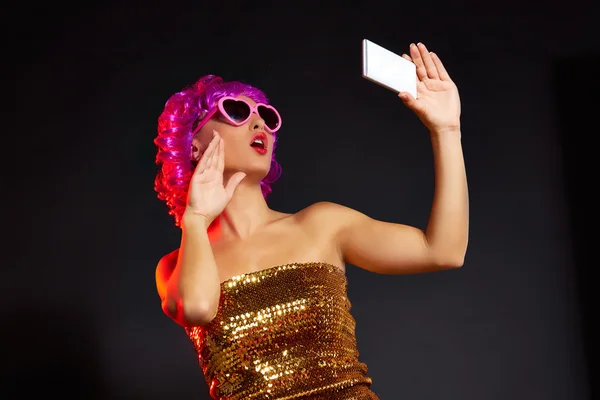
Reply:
x=198, y=313
x=450, y=256
x=455, y=263
x=450, y=261
x=189, y=313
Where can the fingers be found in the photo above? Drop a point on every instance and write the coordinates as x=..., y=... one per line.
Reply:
x=212, y=161
x=416, y=58
x=233, y=183
x=440, y=67
x=214, y=158
x=432, y=71
x=221, y=156
x=408, y=100
x=206, y=156
x=426, y=68
x=407, y=57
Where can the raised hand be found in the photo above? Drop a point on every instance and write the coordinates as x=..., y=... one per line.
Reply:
x=437, y=104
x=207, y=196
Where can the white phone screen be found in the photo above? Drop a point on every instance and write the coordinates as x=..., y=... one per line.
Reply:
x=388, y=69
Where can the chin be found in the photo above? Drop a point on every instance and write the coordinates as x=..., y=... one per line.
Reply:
x=257, y=171
x=254, y=165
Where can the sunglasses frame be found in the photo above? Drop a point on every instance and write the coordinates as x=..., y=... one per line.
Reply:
x=253, y=110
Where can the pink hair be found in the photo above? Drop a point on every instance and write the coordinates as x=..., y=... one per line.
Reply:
x=183, y=111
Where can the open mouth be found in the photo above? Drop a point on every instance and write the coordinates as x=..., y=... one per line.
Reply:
x=260, y=143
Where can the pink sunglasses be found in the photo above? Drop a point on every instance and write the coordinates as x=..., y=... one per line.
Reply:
x=238, y=112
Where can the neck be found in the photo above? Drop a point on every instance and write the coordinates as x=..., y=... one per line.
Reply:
x=246, y=211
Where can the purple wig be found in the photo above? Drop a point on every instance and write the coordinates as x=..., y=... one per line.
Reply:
x=184, y=111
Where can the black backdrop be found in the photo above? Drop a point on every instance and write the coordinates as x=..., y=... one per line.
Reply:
x=575, y=107
x=84, y=230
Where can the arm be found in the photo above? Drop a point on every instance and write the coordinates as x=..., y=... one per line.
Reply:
x=391, y=248
x=395, y=248
x=188, y=280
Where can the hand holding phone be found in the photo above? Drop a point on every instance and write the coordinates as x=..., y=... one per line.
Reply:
x=388, y=69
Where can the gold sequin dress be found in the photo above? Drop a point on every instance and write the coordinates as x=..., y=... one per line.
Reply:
x=283, y=333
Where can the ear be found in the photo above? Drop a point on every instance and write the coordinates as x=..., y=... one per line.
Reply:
x=197, y=149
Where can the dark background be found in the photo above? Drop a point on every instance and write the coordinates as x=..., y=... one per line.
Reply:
x=80, y=314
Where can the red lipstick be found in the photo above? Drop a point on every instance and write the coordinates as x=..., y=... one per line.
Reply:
x=260, y=143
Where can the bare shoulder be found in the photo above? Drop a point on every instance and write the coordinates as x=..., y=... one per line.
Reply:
x=327, y=215
x=326, y=209
x=168, y=259
x=164, y=269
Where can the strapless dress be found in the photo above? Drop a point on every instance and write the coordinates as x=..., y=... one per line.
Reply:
x=285, y=332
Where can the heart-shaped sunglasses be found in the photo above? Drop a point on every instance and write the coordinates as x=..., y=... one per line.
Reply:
x=238, y=112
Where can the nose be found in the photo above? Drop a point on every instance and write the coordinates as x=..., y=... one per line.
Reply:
x=257, y=123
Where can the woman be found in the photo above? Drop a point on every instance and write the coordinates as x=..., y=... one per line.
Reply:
x=262, y=294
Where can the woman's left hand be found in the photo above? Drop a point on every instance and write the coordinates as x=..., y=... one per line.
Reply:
x=437, y=104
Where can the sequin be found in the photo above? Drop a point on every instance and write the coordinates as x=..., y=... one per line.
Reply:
x=285, y=332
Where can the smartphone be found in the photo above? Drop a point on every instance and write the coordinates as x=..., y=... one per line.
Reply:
x=388, y=69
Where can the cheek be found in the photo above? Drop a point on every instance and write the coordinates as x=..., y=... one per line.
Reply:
x=224, y=130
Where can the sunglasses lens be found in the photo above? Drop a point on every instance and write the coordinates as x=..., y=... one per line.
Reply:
x=269, y=116
x=238, y=111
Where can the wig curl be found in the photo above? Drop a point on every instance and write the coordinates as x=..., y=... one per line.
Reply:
x=182, y=113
